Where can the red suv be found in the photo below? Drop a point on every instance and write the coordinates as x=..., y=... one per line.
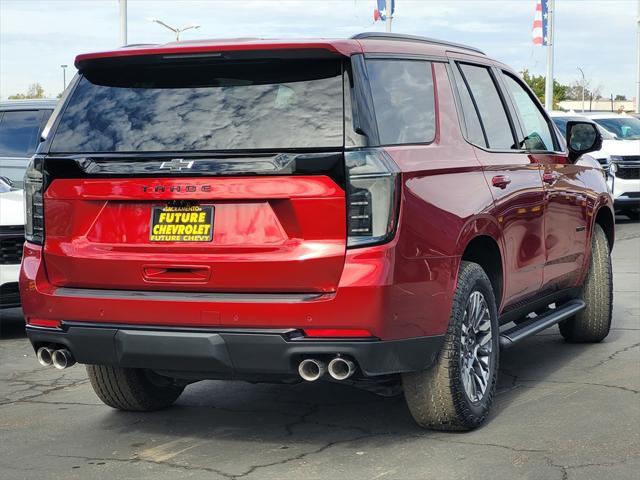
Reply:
x=373, y=210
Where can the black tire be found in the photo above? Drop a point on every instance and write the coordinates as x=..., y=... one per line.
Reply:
x=437, y=397
x=132, y=389
x=593, y=323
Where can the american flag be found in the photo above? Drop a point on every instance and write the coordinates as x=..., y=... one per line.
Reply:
x=540, y=30
x=380, y=13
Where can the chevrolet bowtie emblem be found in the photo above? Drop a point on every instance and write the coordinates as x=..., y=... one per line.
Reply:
x=176, y=164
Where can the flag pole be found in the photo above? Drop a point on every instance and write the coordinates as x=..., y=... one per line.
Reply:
x=387, y=10
x=548, y=86
x=123, y=22
x=638, y=66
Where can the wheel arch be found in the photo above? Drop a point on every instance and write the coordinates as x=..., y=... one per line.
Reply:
x=479, y=241
x=484, y=250
x=604, y=217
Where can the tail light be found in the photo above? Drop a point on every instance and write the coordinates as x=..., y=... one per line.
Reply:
x=34, y=207
x=373, y=197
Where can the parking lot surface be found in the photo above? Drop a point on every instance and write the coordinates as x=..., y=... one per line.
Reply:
x=563, y=412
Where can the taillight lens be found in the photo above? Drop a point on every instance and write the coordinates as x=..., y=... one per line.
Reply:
x=373, y=197
x=34, y=208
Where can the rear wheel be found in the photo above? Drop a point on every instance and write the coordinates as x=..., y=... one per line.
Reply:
x=457, y=391
x=132, y=389
x=593, y=323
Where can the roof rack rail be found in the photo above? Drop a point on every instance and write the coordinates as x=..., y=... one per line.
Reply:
x=133, y=45
x=411, y=38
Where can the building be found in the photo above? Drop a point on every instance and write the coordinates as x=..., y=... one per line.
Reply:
x=600, y=105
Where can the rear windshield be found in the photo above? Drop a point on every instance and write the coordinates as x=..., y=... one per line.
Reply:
x=187, y=107
x=19, y=132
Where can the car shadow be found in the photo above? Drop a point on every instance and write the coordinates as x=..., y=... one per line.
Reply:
x=327, y=411
x=11, y=323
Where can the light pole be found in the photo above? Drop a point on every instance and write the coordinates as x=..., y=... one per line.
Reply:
x=583, y=83
x=177, y=31
x=64, y=77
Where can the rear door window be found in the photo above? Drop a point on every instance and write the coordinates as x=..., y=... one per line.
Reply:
x=227, y=105
x=403, y=97
x=489, y=105
x=19, y=132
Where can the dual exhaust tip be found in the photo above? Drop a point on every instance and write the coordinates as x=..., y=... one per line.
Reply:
x=311, y=369
x=60, y=358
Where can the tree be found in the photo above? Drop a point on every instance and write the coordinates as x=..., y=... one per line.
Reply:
x=537, y=84
x=620, y=98
x=35, y=90
x=574, y=91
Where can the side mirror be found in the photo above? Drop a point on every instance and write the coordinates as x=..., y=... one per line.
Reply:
x=582, y=137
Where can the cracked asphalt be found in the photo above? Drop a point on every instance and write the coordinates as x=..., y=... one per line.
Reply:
x=562, y=412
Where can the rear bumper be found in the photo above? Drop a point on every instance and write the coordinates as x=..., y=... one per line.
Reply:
x=228, y=353
x=379, y=291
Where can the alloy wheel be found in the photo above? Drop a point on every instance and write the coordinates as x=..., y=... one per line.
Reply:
x=476, y=346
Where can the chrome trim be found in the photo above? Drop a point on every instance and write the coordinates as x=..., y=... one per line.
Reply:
x=190, y=296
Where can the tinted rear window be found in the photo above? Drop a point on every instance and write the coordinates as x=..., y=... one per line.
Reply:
x=19, y=132
x=403, y=99
x=492, y=112
x=223, y=106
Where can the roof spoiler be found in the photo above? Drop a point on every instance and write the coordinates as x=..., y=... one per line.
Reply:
x=242, y=51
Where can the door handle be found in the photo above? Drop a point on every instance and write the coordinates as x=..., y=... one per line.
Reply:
x=549, y=177
x=501, y=181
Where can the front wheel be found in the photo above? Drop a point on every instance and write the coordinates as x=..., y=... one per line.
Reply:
x=456, y=393
x=593, y=323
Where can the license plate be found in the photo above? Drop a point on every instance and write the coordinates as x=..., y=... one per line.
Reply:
x=182, y=224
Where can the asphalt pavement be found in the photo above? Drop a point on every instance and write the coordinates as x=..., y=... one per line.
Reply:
x=563, y=411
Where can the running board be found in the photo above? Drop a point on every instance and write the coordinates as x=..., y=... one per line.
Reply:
x=539, y=323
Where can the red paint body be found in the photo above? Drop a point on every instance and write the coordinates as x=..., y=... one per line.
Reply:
x=277, y=235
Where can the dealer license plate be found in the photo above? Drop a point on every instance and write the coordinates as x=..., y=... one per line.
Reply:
x=182, y=224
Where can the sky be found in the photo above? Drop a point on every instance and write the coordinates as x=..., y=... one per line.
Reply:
x=37, y=36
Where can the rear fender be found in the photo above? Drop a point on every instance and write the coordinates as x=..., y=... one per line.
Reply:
x=479, y=226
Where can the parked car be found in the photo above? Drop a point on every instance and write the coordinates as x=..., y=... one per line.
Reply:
x=624, y=156
x=621, y=162
x=20, y=125
x=560, y=119
x=369, y=210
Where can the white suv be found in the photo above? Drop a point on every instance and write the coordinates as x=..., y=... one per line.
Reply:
x=619, y=155
x=21, y=123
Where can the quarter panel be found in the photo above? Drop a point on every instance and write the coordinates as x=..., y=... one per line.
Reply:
x=445, y=202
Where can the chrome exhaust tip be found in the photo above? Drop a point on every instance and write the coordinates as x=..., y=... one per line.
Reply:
x=311, y=369
x=44, y=355
x=62, y=359
x=341, y=368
